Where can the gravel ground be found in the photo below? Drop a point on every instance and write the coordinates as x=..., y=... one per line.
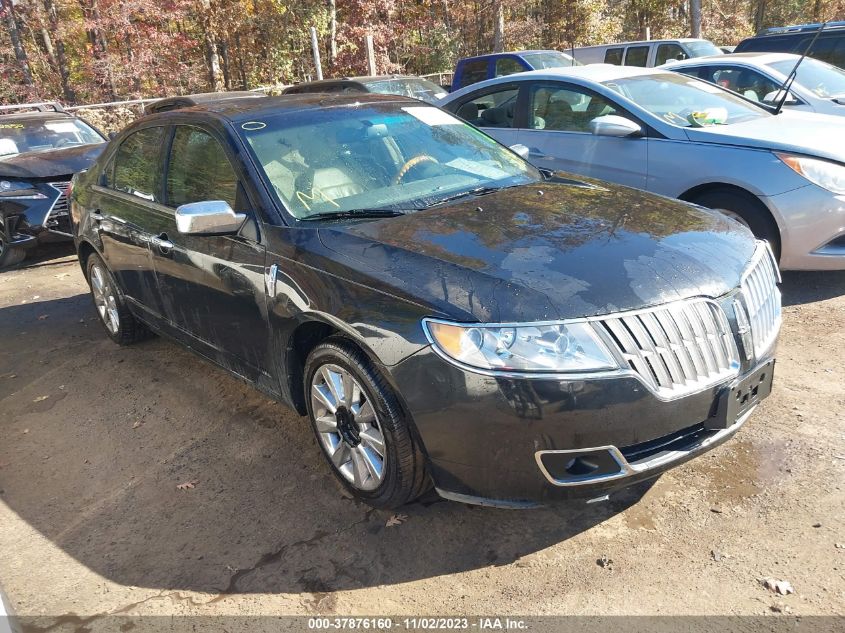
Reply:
x=95, y=439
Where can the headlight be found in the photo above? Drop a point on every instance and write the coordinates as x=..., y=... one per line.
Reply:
x=17, y=190
x=559, y=347
x=830, y=176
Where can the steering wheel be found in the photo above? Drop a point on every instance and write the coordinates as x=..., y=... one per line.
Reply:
x=410, y=164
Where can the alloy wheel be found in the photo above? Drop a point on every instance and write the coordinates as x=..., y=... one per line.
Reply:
x=104, y=299
x=348, y=427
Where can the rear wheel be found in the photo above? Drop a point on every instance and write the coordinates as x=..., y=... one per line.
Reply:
x=10, y=256
x=746, y=209
x=367, y=439
x=120, y=324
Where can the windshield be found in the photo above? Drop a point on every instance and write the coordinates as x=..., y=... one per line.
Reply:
x=377, y=156
x=684, y=101
x=550, y=59
x=822, y=79
x=19, y=136
x=415, y=87
x=702, y=48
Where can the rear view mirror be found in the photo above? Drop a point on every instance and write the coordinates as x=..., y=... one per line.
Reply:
x=212, y=217
x=614, y=125
x=520, y=150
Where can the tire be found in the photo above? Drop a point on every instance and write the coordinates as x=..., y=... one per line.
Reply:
x=10, y=256
x=119, y=323
x=351, y=433
x=747, y=209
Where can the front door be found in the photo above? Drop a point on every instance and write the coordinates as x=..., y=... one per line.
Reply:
x=558, y=136
x=212, y=287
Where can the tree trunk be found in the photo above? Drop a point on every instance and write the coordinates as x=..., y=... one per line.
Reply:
x=332, y=32
x=99, y=46
x=61, y=58
x=695, y=16
x=227, y=72
x=759, y=15
x=499, y=27
x=17, y=44
x=212, y=57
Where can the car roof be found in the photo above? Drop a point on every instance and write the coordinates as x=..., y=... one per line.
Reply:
x=247, y=108
x=759, y=58
x=362, y=79
x=36, y=116
x=529, y=52
x=684, y=40
x=591, y=72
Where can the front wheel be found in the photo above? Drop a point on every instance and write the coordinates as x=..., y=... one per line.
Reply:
x=367, y=439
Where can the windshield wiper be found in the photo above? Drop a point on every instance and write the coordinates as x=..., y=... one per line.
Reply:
x=478, y=191
x=354, y=213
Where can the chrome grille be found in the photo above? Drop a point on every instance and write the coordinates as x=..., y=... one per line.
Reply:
x=762, y=298
x=60, y=206
x=676, y=349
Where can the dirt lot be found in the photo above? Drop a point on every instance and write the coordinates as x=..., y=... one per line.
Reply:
x=94, y=440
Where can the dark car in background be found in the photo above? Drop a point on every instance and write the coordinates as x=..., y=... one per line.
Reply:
x=41, y=148
x=470, y=70
x=829, y=47
x=443, y=312
x=186, y=101
x=405, y=86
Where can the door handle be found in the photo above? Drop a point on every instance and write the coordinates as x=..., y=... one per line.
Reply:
x=161, y=241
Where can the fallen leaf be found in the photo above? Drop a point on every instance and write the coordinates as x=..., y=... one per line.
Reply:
x=10, y=375
x=137, y=423
x=41, y=398
x=716, y=555
x=716, y=510
x=43, y=317
x=783, y=587
x=605, y=563
x=62, y=275
x=396, y=519
x=187, y=485
x=840, y=546
x=25, y=431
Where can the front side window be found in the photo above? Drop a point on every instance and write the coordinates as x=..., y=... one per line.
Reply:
x=377, y=156
x=199, y=169
x=637, y=56
x=684, y=101
x=508, y=66
x=21, y=135
x=566, y=109
x=474, y=72
x=492, y=109
x=137, y=167
x=665, y=52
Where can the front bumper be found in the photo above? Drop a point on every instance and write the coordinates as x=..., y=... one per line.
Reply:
x=812, y=223
x=490, y=439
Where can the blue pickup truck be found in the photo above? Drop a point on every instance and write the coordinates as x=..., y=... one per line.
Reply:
x=470, y=70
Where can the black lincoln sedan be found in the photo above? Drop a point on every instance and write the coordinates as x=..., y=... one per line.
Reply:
x=445, y=314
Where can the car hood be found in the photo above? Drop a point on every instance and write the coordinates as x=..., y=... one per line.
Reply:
x=51, y=162
x=809, y=133
x=552, y=250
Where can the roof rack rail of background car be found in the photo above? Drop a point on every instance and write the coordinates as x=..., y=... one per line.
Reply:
x=111, y=104
x=797, y=28
x=41, y=106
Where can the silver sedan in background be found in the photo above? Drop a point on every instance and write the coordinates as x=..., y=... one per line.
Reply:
x=783, y=176
x=818, y=86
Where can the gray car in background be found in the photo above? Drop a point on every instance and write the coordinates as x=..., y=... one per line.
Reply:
x=818, y=86
x=783, y=176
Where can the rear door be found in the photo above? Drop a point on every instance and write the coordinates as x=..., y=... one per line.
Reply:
x=558, y=135
x=212, y=287
x=124, y=209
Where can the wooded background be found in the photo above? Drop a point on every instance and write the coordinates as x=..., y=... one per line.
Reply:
x=84, y=51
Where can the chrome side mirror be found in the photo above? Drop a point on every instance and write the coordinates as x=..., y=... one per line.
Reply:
x=212, y=217
x=614, y=125
x=520, y=150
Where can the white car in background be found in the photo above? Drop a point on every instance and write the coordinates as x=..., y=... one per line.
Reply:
x=818, y=86
x=783, y=176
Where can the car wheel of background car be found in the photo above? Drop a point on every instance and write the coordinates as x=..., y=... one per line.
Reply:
x=122, y=327
x=367, y=438
x=10, y=256
x=744, y=208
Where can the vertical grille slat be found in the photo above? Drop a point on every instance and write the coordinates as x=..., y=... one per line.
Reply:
x=677, y=349
x=59, y=217
x=762, y=300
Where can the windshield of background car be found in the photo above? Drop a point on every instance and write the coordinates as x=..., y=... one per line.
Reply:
x=19, y=136
x=703, y=48
x=376, y=156
x=551, y=59
x=684, y=101
x=822, y=79
x=421, y=89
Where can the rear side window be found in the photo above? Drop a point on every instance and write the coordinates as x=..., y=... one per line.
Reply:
x=136, y=164
x=492, y=109
x=613, y=56
x=665, y=52
x=474, y=72
x=637, y=56
x=199, y=170
x=508, y=66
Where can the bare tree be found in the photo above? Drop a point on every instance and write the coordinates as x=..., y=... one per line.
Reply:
x=695, y=16
x=212, y=56
x=61, y=57
x=499, y=30
x=17, y=44
x=332, y=32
